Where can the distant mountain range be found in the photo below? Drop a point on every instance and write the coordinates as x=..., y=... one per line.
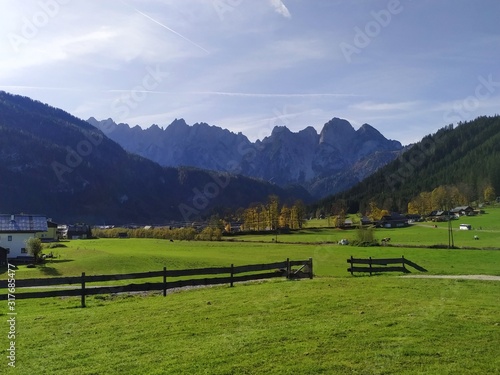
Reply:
x=58, y=165
x=325, y=163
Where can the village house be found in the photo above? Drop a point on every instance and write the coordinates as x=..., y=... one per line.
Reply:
x=394, y=220
x=462, y=211
x=51, y=234
x=79, y=231
x=15, y=230
x=439, y=215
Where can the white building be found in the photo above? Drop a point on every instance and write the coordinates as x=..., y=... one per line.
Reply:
x=15, y=230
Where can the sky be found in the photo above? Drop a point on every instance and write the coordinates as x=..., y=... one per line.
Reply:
x=406, y=67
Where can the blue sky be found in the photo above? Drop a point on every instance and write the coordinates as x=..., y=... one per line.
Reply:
x=407, y=67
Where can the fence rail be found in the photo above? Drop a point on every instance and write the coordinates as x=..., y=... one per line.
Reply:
x=233, y=274
x=382, y=262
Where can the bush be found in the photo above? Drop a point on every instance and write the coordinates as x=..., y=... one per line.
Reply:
x=34, y=247
x=365, y=237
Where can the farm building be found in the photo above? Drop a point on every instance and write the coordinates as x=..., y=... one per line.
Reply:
x=394, y=220
x=51, y=234
x=15, y=230
x=462, y=211
x=79, y=231
x=439, y=216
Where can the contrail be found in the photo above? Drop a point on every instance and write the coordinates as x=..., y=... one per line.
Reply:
x=242, y=94
x=262, y=95
x=171, y=30
x=219, y=93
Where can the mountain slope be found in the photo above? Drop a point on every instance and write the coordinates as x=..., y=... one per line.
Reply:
x=56, y=164
x=467, y=156
x=322, y=163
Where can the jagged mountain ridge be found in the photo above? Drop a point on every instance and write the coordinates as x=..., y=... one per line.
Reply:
x=325, y=163
x=58, y=165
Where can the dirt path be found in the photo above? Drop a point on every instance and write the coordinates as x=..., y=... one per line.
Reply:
x=461, y=277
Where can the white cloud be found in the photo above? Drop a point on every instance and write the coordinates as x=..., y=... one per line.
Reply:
x=280, y=8
x=395, y=106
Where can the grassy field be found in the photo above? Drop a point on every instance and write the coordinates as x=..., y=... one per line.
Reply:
x=334, y=324
x=485, y=226
x=114, y=256
x=360, y=325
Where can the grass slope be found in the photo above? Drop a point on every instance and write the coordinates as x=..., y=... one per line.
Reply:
x=334, y=324
x=115, y=256
x=363, y=325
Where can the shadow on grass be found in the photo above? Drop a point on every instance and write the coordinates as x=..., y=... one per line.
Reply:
x=49, y=271
x=55, y=261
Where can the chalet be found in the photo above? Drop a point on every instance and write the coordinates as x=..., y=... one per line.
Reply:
x=348, y=224
x=439, y=216
x=462, y=211
x=365, y=220
x=51, y=234
x=394, y=220
x=412, y=218
x=79, y=231
x=15, y=230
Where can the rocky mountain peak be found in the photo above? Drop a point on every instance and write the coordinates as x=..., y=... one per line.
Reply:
x=284, y=157
x=336, y=132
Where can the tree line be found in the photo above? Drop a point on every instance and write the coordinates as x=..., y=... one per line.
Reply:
x=273, y=215
x=446, y=197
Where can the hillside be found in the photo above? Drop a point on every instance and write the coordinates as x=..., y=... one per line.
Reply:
x=466, y=156
x=325, y=163
x=58, y=165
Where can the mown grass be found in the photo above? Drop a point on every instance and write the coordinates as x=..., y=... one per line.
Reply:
x=334, y=324
x=485, y=226
x=359, y=325
x=119, y=256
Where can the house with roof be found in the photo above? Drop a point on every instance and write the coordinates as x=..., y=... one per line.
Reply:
x=462, y=211
x=51, y=234
x=79, y=231
x=439, y=215
x=394, y=220
x=15, y=230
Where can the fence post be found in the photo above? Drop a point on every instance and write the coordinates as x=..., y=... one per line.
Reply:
x=164, y=281
x=288, y=268
x=352, y=272
x=370, y=266
x=311, y=268
x=232, y=274
x=83, y=289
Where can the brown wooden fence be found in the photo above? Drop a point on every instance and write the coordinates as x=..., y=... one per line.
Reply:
x=383, y=265
x=231, y=274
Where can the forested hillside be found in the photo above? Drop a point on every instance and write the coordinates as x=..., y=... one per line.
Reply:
x=466, y=157
x=55, y=164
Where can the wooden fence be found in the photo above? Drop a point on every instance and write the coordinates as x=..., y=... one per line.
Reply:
x=383, y=265
x=232, y=274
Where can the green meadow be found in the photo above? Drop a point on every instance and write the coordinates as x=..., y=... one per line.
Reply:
x=118, y=256
x=333, y=324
